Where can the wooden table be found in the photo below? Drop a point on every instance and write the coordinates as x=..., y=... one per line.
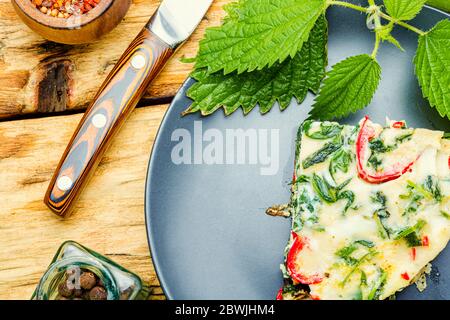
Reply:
x=44, y=88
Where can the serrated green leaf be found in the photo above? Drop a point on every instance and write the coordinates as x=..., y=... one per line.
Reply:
x=440, y=4
x=432, y=62
x=349, y=87
x=293, y=77
x=403, y=9
x=257, y=34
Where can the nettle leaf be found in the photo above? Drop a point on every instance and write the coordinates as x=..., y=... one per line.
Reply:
x=349, y=87
x=433, y=66
x=257, y=34
x=404, y=9
x=293, y=77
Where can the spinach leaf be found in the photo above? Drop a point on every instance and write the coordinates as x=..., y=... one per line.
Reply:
x=331, y=194
x=432, y=185
x=346, y=252
x=377, y=145
x=349, y=196
x=379, y=197
x=365, y=243
x=383, y=231
x=378, y=285
x=408, y=231
x=413, y=240
x=363, y=278
x=325, y=191
x=405, y=137
x=380, y=215
x=374, y=162
x=322, y=154
x=327, y=130
x=340, y=161
x=359, y=262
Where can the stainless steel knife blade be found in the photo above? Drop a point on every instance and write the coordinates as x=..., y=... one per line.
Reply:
x=175, y=20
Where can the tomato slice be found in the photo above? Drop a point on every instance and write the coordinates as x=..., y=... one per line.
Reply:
x=405, y=276
x=413, y=254
x=398, y=125
x=425, y=241
x=292, y=263
x=280, y=294
x=365, y=135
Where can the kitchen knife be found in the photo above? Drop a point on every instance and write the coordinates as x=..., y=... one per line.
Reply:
x=169, y=27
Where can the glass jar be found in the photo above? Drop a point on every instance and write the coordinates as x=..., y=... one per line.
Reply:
x=111, y=281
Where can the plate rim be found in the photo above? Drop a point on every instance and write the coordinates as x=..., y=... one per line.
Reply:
x=150, y=167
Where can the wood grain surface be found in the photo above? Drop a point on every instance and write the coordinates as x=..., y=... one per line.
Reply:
x=38, y=76
x=108, y=218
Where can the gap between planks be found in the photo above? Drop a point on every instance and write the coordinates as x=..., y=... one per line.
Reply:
x=108, y=218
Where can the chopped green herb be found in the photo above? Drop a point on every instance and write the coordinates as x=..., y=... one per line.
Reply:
x=346, y=252
x=424, y=192
x=356, y=266
x=375, y=162
x=413, y=240
x=378, y=285
x=432, y=185
x=325, y=191
x=327, y=130
x=382, y=230
x=321, y=155
x=445, y=214
x=379, y=197
x=331, y=194
x=381, y=214
x=405, y=137
x=365, y=243
x=349, y=196
x=363, y=278
x=302, y=179
x=407, y=231
x=340, y=161
x=377, y=145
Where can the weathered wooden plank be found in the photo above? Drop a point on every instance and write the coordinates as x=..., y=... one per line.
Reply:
x=37, y=76
x=108, y=218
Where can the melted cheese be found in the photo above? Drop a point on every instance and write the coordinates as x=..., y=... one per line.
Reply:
x=393, y=259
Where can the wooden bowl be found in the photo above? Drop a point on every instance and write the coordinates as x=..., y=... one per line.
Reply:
x=76, y=29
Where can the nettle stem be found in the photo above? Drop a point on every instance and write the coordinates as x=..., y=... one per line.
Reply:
x=377, y=46
x=381, y=14
x=347, y=5
x=403, y=24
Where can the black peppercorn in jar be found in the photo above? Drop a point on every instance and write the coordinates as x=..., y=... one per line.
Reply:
x=78, y=273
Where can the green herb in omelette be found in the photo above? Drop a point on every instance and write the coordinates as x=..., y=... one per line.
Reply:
x=322, y=154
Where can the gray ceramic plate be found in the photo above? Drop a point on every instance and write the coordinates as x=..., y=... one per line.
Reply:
x=208, y=233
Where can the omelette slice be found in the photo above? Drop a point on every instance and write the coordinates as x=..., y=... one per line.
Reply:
x=370, y=209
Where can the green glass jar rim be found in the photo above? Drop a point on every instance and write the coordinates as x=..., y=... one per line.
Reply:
x=56, y=268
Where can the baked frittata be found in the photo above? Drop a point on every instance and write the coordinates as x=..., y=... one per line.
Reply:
x=370, y=209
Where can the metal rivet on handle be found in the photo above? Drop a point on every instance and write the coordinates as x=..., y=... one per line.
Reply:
x=99, y=120
x=64, y=183
x=138, y=61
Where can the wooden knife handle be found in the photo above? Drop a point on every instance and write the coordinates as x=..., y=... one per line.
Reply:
x=117, y=97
